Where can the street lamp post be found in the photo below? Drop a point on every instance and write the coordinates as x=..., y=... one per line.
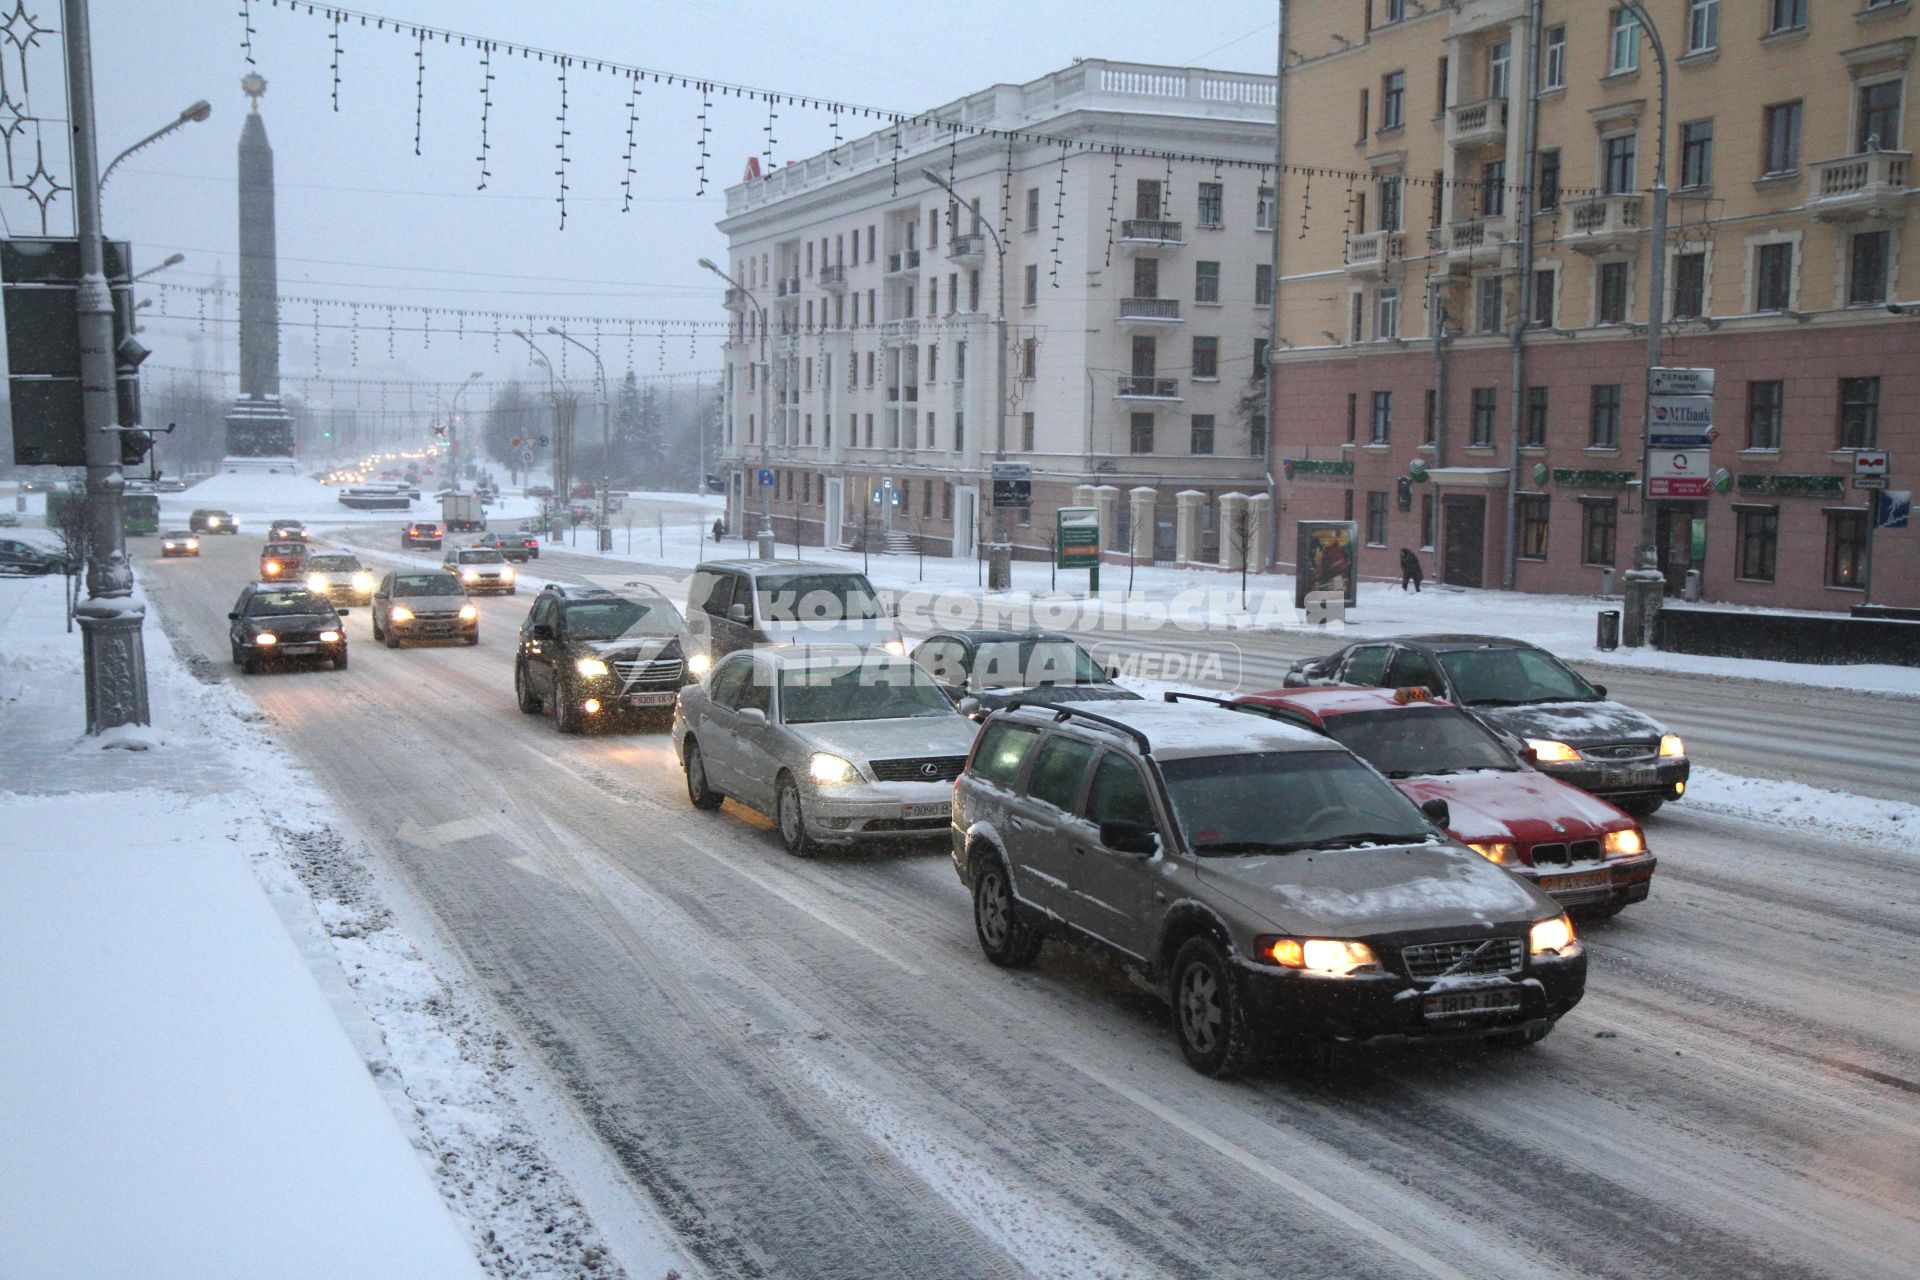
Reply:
x=1000, y=554
x=562, y=425
x=453, y=428
x=605, y=539
x=764, y=539
x=1645, y=583
x=192, y=115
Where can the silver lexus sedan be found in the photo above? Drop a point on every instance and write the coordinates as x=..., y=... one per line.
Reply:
x=838, y=746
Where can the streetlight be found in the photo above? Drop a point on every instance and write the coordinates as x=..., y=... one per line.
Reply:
x=453, y=428
x=1000, y=554
x=1645, y=583
x=605, y=539
x=192, y=115
x=764, y=539
x=172, y=260
x=562, y=424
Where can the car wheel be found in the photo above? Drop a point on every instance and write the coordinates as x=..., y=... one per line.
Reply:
x=340, y=660
x=1209, y=1010
x=1641, y=806
x=523, y=690
x=235, y=649
x=791, y=817
x=474, y=638
x=250, y=665
x=566, y=712
x=1005, y=938
x=698, y=791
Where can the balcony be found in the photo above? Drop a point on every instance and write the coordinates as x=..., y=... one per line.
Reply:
x=1469, y=243
x=967, y=250
x=900, y=263
x=736, y=300
x=1477, y=124
x=1853, y=188
x=1150, y=233
x=1369, y=253
x=903, y=395
x=833, y=279
x=1151, y=311
x=1136, y=387
x=788, y=287
x=899, y=329
x=1604, y=224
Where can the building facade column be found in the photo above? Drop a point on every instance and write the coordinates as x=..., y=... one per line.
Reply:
x=1186, y=525
x=1234, y=533
x=1140, y=504
x=1260, y=550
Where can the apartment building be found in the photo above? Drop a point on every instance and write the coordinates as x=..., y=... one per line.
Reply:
x=1136, y=290
x=1463, y=310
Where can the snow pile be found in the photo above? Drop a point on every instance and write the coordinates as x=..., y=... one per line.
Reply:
x=261, y=497
x=1886, y=824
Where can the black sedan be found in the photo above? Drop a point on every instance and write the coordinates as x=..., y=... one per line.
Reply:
x=26, y=560
x=990, y=668
x=1562, y=724
x=208, y=520
x=516, y=547
x=270, y=622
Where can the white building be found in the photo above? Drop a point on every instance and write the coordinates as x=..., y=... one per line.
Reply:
x=1137, y=300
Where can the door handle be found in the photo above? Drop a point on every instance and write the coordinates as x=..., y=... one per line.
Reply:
x=1020, y=824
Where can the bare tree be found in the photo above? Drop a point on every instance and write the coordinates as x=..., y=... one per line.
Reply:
x=1240, y=530
x=69, y=519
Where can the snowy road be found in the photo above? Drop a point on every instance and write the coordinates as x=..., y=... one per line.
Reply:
x=812, y=1071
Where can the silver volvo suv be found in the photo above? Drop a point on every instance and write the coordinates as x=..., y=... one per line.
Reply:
x=1278, y=889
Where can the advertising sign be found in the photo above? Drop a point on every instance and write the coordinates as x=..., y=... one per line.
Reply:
x=1077, y=540
x=1872, y=462
x=1324, y=560
x=1679, y=422
x=1012, y=485
x=1680, y=382
x=1679, y=473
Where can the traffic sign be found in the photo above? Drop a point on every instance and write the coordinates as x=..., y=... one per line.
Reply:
x=526, y=457
x=1077, y=543
x=1872, y=462
x=1679, y=473
x=1012, y=485
x=1892, y=508
x=765, y=477
x=1679, y=382
x=516, y=442
x=545, y=441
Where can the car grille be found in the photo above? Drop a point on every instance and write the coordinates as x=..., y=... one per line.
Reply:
x=1428, y=960
x=1622, y=751
x=1560, y=855
x=648, y=670
x=916, y=769
x=878, y=825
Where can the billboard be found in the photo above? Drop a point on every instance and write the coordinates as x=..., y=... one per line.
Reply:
x=1323, y=559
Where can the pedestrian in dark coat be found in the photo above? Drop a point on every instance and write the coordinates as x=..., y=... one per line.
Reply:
x=719, y=528
x=1409, y=569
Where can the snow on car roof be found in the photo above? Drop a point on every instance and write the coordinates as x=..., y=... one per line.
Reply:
x=1337, y=699
x=1179, y=730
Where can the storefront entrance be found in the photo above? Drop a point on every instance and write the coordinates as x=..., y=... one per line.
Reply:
x=1463, y=541
x=1680, y=538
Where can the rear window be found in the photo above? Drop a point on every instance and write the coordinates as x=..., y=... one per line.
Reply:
x=333, y=564
x=427, y=584
x=1001, y=751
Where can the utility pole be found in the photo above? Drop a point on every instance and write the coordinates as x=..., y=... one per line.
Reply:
x=1645, y=583
x=763, y=541
x=453, y=431
x=605, y=539
x=111, y=617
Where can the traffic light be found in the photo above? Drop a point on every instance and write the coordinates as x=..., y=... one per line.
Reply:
x=128, y=353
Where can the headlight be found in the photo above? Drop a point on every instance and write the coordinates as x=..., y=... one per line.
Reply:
x=506, y=574
x=213, y=522
x=265, y=637
x=193, y=544
x=1500, y=851
x=699, y=664
x=468, y=613
x=400, y=613
x=329, y=637
x=831, y=769
x=317, y=582
x=1547, y=751
x=271, y=568
x=1550, y=937
x=590, y=666
x=1625, y=844
x=1337, y=956
x=470, y=575
x=1670, y=745
x=896, y=647
x=363, y=583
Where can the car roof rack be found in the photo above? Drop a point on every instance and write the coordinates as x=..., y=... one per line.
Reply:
x=1061, y=711
x=1181, y=695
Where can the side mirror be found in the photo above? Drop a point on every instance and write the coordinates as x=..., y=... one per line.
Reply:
x=737, y=613
x=233, y=617
x=1437, y=812
x=968, y=706
x=1123, y=836
x=753, y=716
x=1600, y=689
x=542, y=631
x=343, y=612
x=1529, y=755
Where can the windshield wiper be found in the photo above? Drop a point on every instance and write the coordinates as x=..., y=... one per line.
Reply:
x=1252, y=846
x=1368, y=837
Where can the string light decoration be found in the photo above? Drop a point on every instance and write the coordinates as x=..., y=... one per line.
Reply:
x=353, y=360
x=766, y=151
x=896, y=160
x=246, y=30
x=633, y=120
x=561, y=147
x=335, y=68
x=1113, y=209
x=419, y=87
x=1006, y=200
x=706, y=105
x=316, y=340
x=1166, y=192
x=486, y=112
x=833, y=120
x=1059, y=216
x=1306, y=205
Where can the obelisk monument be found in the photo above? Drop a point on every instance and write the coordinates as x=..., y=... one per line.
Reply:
x=259, y=429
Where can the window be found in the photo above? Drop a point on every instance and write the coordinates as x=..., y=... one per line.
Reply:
x=1696, y=154
x=1764, y=403
x=1859, y=413
x=1480, y=429
x=1030, y=286
x=1206, y=282
x=1259, y=359
x=1202, y=441
x=1703, y=25
x=1624, y=45
x=1356, y=314
x=1026, y=432
x=1211, y=212
x=1430, y=418
x=1536, y=428
x=1547, y=187
x=1140, y=433
x=1393, y=100
x=959, y=434
x=1611, y=305
x=1149, y=198
x=1846, y=549
x=1618, y=157
x=1533, y=526
x=959, y=362
x=1263, y=210
x=1788, y=15
x=1427, y=521
x=1544, y=281
x=1493, y=189
x=1876, y=125
x=1002, y=750
x=1376, y=518
x=1440, y=87
x=1059, y=770
x=1382, y=417
x=933, y=362
x=1781, y=137
x=1263, y=284
x=1689, y=285
x=1364, y=109
x=1758, y=537
x=1029, y=358
x=1773, y=276
x=1353, y=415
x=1396, y=10
x=1867, y=268
x=1391, y=203
x=1033, y=209
x=1499, y=67
x=1598, y=523
x=1487, y=304
x=1603, y=416
x=1553, y=61
x=1206, y=357
x=1117, y=793
x=1386, y=314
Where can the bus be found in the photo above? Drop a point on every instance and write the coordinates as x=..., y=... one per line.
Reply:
x=139, y=512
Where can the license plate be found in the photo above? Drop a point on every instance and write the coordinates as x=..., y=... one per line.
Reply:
x=650, y=699
x=298, y=649
x=939, y=810
x=1456, y=1004
x=1639, y=777
x=1579, y=880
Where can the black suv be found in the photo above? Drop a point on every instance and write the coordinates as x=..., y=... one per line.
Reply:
x=271, y=621
x=590, y=653
x=208, y=520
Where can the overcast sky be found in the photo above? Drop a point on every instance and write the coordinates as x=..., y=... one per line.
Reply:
x=362, y=217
